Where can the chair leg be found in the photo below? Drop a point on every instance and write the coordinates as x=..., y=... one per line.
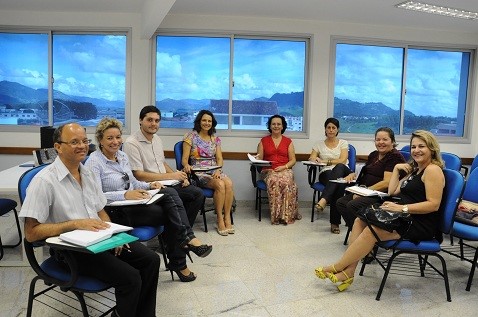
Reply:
x=81, y=299
x=349, y=229
x=1, y=248
x=163, y=250
x=313, y=207
x=260, y=204
x=15, y=213
x=472, y=271
x=385, y=274
x=203, y=211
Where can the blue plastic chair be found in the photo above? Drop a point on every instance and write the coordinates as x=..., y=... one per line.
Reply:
x=454, y=184
x=207, y=192
x=467, y=231
x=406, y=155
x=452, y=161
x=66, y=278
x=7, y=205
x=318, y=187
x=474, y=164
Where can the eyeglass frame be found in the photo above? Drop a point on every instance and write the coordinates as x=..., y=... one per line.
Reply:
x=75, y=143
x=127, y=181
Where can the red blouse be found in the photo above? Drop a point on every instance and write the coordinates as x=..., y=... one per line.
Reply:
x=278, y=156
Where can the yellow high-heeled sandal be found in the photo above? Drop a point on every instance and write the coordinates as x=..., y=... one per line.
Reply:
x=319, y=272
x=345, y=284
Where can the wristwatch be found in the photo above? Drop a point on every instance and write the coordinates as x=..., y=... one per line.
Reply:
x=405, y=208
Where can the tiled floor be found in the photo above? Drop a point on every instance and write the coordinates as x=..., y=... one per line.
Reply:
x=266, y=270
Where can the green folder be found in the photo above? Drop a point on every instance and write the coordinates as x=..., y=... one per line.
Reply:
x=111, y=243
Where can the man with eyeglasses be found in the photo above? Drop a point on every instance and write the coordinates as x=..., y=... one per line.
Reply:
x=146, y=156
x=65, y=196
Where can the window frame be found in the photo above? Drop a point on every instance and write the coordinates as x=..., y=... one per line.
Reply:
x=77, y=31
x=470, y=94
x=307, y=38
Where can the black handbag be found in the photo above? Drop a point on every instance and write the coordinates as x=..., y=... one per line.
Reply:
x=390, y=221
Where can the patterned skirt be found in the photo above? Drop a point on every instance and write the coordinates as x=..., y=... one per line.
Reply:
x=283, y=196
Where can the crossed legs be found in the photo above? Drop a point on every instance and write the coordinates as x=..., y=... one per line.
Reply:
x=361, y=243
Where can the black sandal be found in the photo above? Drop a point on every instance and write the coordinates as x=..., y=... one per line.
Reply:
x=184, y=278
x=202, y=250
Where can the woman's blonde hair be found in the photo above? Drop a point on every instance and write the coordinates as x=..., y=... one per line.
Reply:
x=105, y=124
x=432, y=143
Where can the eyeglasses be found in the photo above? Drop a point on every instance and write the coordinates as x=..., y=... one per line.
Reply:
x=127, y=182
x=77, y=142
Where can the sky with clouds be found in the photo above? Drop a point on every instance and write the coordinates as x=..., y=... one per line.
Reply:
x=198, y=68
x=374, y=74
x=83, y=65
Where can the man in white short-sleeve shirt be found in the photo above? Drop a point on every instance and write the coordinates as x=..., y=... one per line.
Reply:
x=64, y=196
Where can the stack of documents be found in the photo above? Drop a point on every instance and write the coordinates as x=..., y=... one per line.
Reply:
x=86, y=238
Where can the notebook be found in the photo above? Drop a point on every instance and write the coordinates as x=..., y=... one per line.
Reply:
x=86, y=238
x=255, y=161
x=154, y=196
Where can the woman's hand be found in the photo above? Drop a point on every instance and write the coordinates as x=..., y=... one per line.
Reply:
x=136, y=194
x=280, y=168
x=187, y=168
x=391, y=206
x=217, y=174
x=156, y=185
x=124, y=247
x=407, y=168
x=185, y=183
x=349, y=178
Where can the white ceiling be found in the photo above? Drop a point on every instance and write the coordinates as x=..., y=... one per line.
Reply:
x=375, y=12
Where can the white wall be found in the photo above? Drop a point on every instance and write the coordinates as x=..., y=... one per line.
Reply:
x=321, y=33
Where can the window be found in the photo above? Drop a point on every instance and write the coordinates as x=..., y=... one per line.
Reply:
x=88, y=81
x=403, y=87
x=242, y=80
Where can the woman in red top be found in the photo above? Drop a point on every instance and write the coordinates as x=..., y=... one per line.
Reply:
x=281, y=188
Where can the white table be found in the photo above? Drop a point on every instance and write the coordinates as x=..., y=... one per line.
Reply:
x=9, y=189
x=9, y=178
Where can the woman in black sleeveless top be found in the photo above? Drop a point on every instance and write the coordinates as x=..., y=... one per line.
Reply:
x=420, y=193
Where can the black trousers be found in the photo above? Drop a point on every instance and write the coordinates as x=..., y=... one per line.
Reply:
x=192, y=198
x=134, y=276
x=334, y=191
x=163, y=212
x=348, y=207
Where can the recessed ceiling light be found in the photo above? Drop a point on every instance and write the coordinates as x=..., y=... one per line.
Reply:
x=434, y=9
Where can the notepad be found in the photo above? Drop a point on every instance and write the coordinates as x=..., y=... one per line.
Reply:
x=114, y=241
x=86, y=238
x=154, y=196
x=363, y=191
x=255, y=161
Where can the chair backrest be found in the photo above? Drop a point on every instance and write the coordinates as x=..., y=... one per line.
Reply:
x=452, y=161
x=454, y=185
x=178, y=155
x=406, y=148
x=25, y=180
x=474, y=164
x=352, y=157
x=471, y=188
x=406, y=155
